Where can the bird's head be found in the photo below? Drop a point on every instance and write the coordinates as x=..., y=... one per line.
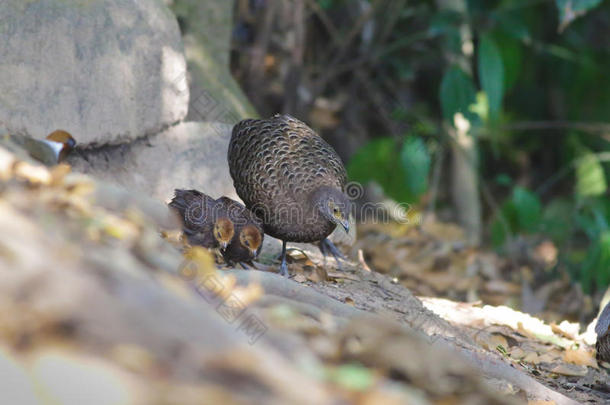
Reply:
x=61, y=142
x=223, y=231
x=251, y=238
x=334, y=205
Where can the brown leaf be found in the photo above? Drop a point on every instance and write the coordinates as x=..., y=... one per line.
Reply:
x=570, y=370
x=580, y=357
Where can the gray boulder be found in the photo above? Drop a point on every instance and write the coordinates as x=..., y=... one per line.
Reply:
x=188, y=155
x=104, y=70
x=215, y=95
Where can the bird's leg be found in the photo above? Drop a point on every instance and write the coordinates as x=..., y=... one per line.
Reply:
x=292, y=249
x=327, y=246
x=284, y=266
x=323, y=250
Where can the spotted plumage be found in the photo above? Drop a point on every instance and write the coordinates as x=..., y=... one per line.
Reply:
x=602, y=329
x=289, y=177
x=222, y=223
x=196, y=210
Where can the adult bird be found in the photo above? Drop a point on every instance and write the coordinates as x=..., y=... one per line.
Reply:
x=291, y=179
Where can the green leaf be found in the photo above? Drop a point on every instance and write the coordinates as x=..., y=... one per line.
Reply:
x=569, y=10
x=352, y=377
x=481, y=106
x=528, y=209
x=602, y=274
x=514, y=24
x=444, y=21
x=415, y=161
x=325, y=4
x=503, y=179
x=590, y=177
x=378, y=161
x=512, y=55
x=457, y=93
x=491, y=73
x=556, y=220
x=588, y=267
x=595, y=267
x=498, y=233
x=521, y=213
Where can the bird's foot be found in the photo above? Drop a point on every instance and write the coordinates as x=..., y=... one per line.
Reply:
x=284, y=266
x=327, y=246
x=284, y=269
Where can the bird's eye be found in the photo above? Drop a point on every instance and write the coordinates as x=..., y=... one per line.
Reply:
x=247, y=244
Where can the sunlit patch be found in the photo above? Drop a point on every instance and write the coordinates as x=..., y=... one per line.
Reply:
x=174, y=79
x=67, y=378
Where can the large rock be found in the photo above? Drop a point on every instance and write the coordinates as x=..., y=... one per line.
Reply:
x=104, y=70
x=188, y=155
x=215, y=95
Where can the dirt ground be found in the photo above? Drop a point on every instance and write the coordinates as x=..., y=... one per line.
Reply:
x=98, y=292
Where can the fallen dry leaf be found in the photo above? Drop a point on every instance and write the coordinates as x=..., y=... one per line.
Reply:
x=566, y=329
x=580, y=357
x=570, y=370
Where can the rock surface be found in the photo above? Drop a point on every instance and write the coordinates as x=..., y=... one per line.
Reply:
x=215, y=95
x=104, y=70
x=188, y=155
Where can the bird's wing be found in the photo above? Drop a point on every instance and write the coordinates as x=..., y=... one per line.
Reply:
x=319, y=162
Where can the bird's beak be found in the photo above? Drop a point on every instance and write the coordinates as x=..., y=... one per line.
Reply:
x=345, y=225
x=253, y=252
x=223, y=245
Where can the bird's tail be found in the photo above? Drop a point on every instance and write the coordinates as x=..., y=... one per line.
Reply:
x=183, y=199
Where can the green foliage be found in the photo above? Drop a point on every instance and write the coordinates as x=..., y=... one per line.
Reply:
x=402, y=170
x=511, y=68
x=352, y=376
x=511, y=54
x=570, y=9
x=528, y=208
x=557, y=220
x=491, y=71
x=590, y=177
x=457, y=93
x=522, y=212
x=415, y=163
x=326, y=4
x=596, y=266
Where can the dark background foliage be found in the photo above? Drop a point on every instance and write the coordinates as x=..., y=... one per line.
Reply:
x=405, y=90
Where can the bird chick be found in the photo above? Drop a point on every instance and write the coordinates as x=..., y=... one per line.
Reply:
x=202, y=224
x=246, y=245
x=224, y=230
x=251, y=238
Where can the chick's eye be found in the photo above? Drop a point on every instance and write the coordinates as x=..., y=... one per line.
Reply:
x=247, y=243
